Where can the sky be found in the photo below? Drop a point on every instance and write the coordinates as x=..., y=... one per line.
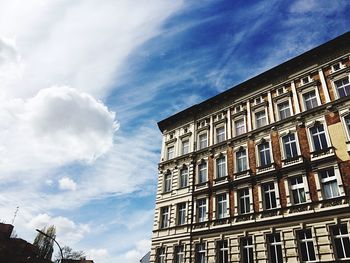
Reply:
x=83, y=84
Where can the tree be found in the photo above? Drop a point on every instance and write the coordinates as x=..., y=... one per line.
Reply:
x=45, y=243
x=69, y=253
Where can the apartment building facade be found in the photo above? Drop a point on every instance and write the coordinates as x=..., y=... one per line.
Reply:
x=261, y=172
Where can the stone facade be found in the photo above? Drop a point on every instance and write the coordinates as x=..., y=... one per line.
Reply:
x=261, y=172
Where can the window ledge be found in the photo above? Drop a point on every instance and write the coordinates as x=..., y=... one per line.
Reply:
x=315, y=155
x=265, y=168
x=242, y=175
x=201, y=185
x=223, y=179
x=291, y=161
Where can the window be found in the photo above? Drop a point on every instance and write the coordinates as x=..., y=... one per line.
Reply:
x=221, y=203
x=284, y=110
x=203, y=142
x=185, y=147
x=220, y=134
x=336, y=67
x=221, y=167
x=179, y=254
x=181, y=213
x=239, y=127
x=264, y=154
x=290, y=146
x=244, y=201
x=329, y=184
x=343, y=87
x=297, y=189
x=306, y=245
x=275, y=248
x=319, y=139
x=164, y=217
x=269, y=195
x=200, y=253
x=161, y=255
x=222, y=251
x=247, y=250
x=241, y=160
x=260, y=119
x=258, y=100
x=280, y=91
x=167, y=183
x=170, y=153
x=202, y=173
x=305, y=80
x=310, y=100
x=201, y=209
x=341, y=239
x=183, y=177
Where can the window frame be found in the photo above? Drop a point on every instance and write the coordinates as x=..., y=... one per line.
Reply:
x=183, y=171
x=200, y=249
x=283, y=146
x=257, y=111
x=225, y=206
x=200, y=206
x=305, y=240
x=199, y=172
x=325, y=181
x=161, y=258
x=183, y=152
x=308, y=90
x=278, y=110
x=235, y=126
x=222, y=249
x=340, y=236
x=297, y=187
x=167, y=182
x=248, y=247
x=181, y=213
x=201, y=146
x=264, y=192
x=275, y=243
x=218, y=139
x=216, y=169
x=259, y=162
x=335, y=88
x=244, y=198
x=170, y=154
x=238, y=159
x=177, y=252
x=164, y=217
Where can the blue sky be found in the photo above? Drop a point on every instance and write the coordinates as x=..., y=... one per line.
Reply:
x=83, y=84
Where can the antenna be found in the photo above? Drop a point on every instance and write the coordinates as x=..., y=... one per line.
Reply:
x=14, y=216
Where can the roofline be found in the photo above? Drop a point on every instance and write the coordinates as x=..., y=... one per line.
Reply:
x=257, y=80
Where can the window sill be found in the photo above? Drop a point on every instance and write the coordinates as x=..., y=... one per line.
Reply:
x=292, y=161
x=265, y=168
x=242, y=174
x=315, y=155
x=221, y=180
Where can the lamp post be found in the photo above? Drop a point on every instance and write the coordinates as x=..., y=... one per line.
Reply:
x=41, y=232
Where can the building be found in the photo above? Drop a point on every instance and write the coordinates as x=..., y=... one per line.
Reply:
x=261, y=172
x=17, y=250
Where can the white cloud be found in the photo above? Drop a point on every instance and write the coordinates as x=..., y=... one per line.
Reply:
x=66, y=230
x=80, y=43
x=66, y=183
x=140, y=249
x=97, y=254
x=57, y=126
